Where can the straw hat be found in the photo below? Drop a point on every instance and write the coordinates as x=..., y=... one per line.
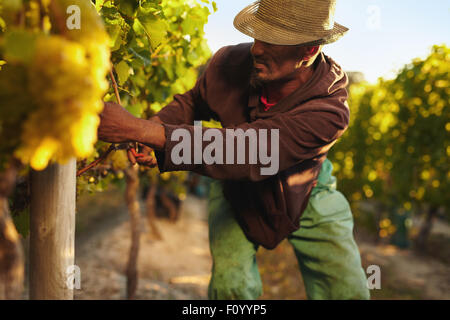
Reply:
x=291, y=22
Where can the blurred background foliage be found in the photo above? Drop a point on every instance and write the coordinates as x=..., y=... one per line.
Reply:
x=394, y=158
x=157, y=49
x=392, y=163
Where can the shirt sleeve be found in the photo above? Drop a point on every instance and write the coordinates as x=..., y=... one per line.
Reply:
x=192, y=105
x=287, y=139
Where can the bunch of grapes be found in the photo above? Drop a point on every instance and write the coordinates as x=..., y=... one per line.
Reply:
x=64, y=81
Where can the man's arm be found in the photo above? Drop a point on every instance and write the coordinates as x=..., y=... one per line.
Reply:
x=303, y=135
x=192, y=105
x=117, y=125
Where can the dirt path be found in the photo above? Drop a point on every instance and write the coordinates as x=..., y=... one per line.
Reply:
x=406, y=274
x=178, y=267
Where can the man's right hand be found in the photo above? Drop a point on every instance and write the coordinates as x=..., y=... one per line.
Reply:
x=116, y=124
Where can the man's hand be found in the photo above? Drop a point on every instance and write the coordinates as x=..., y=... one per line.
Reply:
x=147, y=158
x=119, y=126
x=116, y=124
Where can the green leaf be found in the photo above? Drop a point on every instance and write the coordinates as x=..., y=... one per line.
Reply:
x=136, y=28
x=116, y=27
x=128, y=7
x=22, y=222
x=123, y=71
x=136, y=109
x=154, y=27
x=146, y=61
x=99, y=4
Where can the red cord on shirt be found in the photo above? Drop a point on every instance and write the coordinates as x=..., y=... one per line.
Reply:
x=264, y=101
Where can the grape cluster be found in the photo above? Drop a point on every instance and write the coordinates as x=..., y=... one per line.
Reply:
x=65, y=82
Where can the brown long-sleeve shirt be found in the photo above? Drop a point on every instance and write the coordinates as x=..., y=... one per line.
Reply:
x=309, y=122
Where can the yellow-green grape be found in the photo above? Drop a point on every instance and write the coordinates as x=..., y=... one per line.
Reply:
x=68, y=98
x=91, y=34
x=91, y=29
x=15, y=103
x=119, y=160
x=67, y=81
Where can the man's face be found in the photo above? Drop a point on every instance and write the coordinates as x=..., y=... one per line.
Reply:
x=274, y=63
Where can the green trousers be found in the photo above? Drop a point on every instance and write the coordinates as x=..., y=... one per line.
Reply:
x=326, y=251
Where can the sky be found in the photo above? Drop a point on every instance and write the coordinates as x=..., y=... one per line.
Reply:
x=384, y=34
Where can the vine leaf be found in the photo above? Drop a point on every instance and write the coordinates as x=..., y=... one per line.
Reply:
x=154, y=28
x=123, y=71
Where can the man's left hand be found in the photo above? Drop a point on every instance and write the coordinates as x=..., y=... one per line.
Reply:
x=147, y=157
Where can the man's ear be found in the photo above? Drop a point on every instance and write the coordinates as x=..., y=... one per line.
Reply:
x=308, y=54
x=311, y=52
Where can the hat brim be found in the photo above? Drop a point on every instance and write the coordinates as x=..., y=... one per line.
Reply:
x=250, y=24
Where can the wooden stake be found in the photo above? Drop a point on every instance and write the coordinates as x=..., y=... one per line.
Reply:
x=52, y=231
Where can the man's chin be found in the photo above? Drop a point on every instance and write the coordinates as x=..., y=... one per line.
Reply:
x=257, y=81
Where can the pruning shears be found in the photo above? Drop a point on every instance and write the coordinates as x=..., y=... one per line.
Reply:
x=132, y=147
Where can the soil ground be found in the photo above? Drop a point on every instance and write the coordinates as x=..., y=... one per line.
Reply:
x=178, y=266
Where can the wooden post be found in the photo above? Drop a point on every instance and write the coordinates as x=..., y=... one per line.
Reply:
x=52, y=231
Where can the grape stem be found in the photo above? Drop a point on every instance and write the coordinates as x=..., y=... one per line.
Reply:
x=116, y=88
x=116, y=91
x=111, y=148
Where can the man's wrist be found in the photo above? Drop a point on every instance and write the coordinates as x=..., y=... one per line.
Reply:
x=150, y=133
x=132, y=130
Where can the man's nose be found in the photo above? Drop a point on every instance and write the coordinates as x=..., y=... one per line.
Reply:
x=257, y=48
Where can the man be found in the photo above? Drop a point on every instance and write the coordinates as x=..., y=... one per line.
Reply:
x=285, y=85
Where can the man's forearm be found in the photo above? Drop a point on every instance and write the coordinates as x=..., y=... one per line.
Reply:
x=149, y=132
x=156, y=119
